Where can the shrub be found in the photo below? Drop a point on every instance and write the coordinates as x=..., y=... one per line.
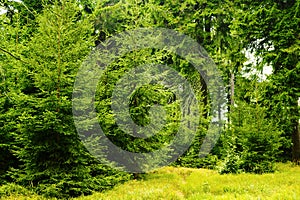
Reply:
x=13, y=189
x=250, y=143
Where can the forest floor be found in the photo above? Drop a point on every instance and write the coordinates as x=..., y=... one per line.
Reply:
x=172, y=183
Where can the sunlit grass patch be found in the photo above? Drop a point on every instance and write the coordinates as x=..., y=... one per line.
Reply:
x=171, y=183
x=185, y=183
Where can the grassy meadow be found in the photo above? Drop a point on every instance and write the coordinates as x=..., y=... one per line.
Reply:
x=185, y=183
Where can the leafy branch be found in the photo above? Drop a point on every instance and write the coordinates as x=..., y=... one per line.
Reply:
x=12, y=55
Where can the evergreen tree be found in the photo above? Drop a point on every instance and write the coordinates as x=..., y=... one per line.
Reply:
x=12, y=50
x=271, y=28
x=53, y=159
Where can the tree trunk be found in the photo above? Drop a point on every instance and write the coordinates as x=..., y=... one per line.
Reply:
x=296, y=139
x=232, y=89
x=296, y=144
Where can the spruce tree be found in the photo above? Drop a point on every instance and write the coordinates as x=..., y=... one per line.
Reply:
x=54, y=161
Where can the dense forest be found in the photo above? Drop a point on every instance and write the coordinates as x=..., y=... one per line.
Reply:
x=252, y=46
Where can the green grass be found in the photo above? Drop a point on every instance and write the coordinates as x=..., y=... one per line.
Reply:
x=184, y=183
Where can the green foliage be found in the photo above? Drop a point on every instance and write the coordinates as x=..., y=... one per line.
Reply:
x=43, y=43
x=268, y=30
x=39, y=131
x=193, y=160
x=46, y=129
x=13, y=189
x=142, y=101
x=251, y=143
x=80, y=181
x=11, y=48
x=128, y=15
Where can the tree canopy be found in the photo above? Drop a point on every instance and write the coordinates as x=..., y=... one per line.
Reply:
x=44, y=43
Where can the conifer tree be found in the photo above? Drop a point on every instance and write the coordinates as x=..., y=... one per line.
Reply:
x=52, y=156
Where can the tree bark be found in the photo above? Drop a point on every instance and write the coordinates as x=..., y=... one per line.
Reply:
x=296, y=139
x=232, y=89
x=296, y=144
